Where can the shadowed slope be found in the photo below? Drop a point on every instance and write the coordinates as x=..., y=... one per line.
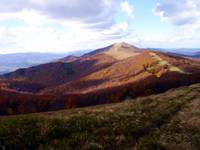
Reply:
x=56, y=73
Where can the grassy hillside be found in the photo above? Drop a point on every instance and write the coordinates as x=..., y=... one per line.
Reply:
x=165, y=121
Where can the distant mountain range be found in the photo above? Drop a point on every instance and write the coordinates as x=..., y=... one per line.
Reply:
x=188, y=52
x=105, y=75
x=12, y=62
x=197, y=55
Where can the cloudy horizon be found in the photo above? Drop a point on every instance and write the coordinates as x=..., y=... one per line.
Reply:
x=61, y=26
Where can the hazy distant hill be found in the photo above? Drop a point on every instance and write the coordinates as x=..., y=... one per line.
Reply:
x=194, y=52
x=11, y=62
x=197, y=54
x=191, y=52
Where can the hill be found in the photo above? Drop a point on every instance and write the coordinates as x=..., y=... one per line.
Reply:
x=12, y=62
x=55, y=73
x=189, y=52
x=69, y=58
x=197, y=54
x=165, y=121
x=106, y=75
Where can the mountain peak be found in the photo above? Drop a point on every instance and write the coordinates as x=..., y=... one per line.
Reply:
x=122, y=44
x=119, y=51
x=122, y=50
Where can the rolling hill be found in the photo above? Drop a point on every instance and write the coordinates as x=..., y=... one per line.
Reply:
x=197, y=54
x=12, y=62
x=105, y=75
x=189, y=52
x=166, y=121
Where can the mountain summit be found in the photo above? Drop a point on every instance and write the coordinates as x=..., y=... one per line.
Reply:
x=122, y=51
x=118, y=51
x=122, y=44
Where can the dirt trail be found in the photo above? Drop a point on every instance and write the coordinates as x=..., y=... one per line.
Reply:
x=162, y=62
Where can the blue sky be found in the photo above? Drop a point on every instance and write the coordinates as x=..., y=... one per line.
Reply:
x=66, y=25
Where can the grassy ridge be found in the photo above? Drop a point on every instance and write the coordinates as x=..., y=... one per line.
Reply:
x=154, y=122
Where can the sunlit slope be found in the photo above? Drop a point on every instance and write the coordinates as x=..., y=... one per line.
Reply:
x=137, y=68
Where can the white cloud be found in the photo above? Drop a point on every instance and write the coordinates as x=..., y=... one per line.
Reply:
x=59, y=25
x=127, y=8
x=179, y=12
x=86, y=11
x=42, y=37
x=117, y=29
x=179, y=37
x=184, y=15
